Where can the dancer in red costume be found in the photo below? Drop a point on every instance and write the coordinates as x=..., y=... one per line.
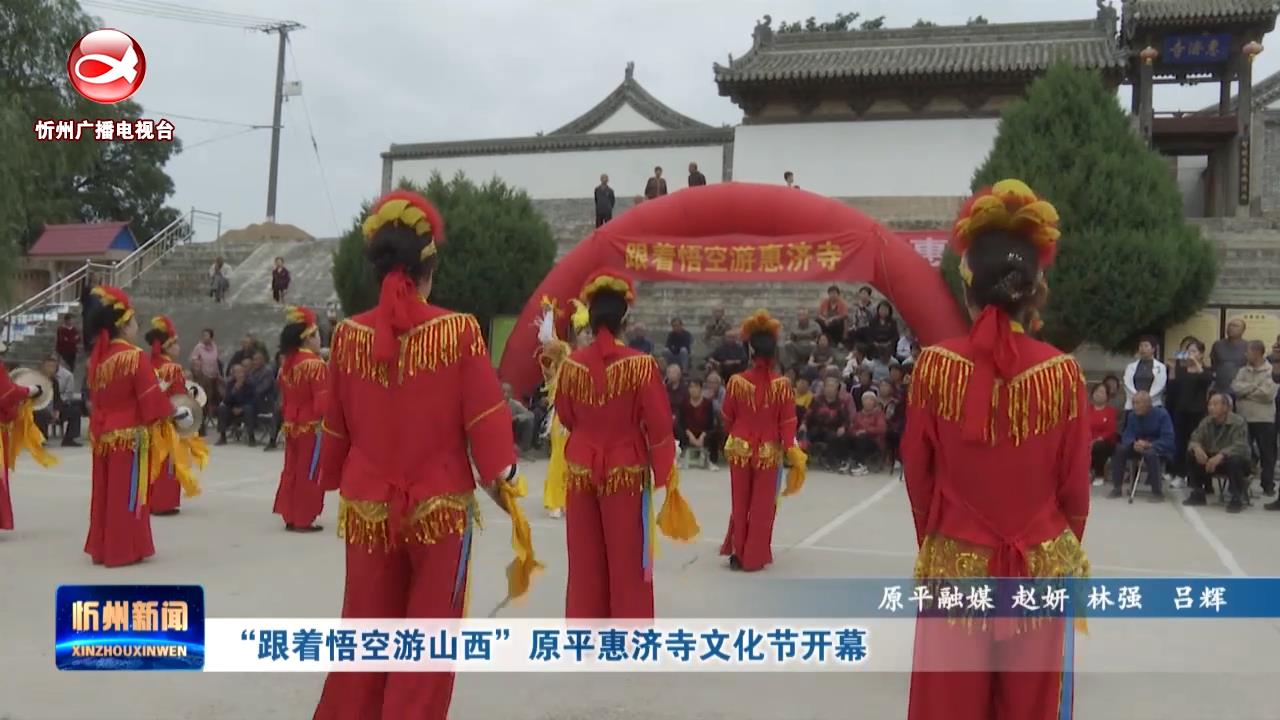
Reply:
x=611, y=400
x=996, y=453
x=304, y=382
x=413, y=401
x=760, y=419
x=176, y=478
x=131, y=431
x=17, y=431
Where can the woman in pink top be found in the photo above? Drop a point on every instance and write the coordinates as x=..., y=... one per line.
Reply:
x=206, y=371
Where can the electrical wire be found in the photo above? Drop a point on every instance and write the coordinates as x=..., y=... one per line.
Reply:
x=217, y=138
x=315, y=146
x=212, y=121
x=172, y=11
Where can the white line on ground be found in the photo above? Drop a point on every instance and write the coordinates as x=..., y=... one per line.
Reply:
x=1228, y=560
x=847, y=515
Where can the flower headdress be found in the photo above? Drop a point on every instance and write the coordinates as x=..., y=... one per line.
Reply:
x=760, y=321
x=400, y=306
x=295, y=315
x=411, y=210
x=608, y=280
x=1007, y=205
x=164, y=325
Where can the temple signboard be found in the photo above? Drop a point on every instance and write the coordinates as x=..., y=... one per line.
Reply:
x=1200, y=49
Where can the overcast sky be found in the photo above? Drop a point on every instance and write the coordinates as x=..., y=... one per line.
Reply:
x=377, y=72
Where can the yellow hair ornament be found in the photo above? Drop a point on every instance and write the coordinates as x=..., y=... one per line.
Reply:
x=1009, y=205
x=760, y=321
x=580, y=317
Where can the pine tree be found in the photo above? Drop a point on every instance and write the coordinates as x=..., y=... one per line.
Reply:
x=1128, y=263
x=497, y=249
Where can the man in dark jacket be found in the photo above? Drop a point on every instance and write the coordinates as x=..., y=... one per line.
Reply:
x=1148, y=434
x=696, y=178
x=657, y=186
x=604, y=201
x=1219, y=446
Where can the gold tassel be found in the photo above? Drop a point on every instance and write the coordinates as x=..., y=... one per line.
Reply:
x=742, y=390
x=577, y=478
x=309, y=370
x=293, y=430
x=434, y=344
x=367, y=522
x=29, y=438
x=938, y=382
x=624, y=478
x=168, y=372
x=737, y=451
x=623, y=376
x=780, y=392
x=121, y=364
x=676, y=519
x=122, y=439
x=798, y=462
x=363, y=522
x=525, y=564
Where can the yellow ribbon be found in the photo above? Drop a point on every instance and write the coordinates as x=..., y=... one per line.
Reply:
x=523, y=567
x=676, y=519
x=27, y=436
x=798, y=463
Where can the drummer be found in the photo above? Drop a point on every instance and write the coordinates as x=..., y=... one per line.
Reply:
x=18, y=429
x=165, y=496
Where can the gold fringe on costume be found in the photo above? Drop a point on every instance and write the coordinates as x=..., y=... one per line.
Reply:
x=308, y=370
x=168, y=371
x=1039, y=398
x=367, y=522
x=744, y=391
x=797, y=462
x=623, y=376
x=524, y=565
x=432, y=345
x=676, y=519
x=617, y=479
x=293, y=430
x=25, y=435
x=761, y=456
x=121, y=364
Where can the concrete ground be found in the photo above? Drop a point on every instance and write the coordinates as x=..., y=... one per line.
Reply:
x=228, y=541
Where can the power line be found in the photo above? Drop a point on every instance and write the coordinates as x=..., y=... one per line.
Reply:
x=172, y=11
x=315, y=147
x=217, y=138
x=212, y=121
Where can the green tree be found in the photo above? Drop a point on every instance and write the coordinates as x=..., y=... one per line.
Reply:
x=843, y=22
x=57, y=182
x=922, y=23
x=979, y=20
x=497, y=249
x=1128, y=263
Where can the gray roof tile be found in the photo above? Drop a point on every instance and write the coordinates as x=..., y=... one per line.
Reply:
x=1173, y=11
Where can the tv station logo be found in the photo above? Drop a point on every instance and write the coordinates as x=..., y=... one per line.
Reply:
x=129, y=627
x=106, y=66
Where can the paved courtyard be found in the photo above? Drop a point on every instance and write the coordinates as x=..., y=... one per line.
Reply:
x=228, y=541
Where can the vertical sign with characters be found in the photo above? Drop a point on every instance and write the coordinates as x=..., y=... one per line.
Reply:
x=129, y=627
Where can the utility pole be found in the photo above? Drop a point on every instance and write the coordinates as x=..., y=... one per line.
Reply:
x=283, y=30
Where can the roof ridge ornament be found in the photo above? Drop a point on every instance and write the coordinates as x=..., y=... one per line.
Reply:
x=631, y=70
x=763, y=32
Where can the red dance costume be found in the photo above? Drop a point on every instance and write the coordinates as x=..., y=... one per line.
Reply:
x=17, y=430
x=176, y=477
x=612, y=402
x=996, y=454
x=413, y=400
x=304, y=381
x=760, y=418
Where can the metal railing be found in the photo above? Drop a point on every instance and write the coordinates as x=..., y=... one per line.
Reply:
x=23, y=319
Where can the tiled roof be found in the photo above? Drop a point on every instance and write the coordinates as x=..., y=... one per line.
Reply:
x=1265, y=92
x=1011, y=48
x=630, y=93
x=79, y=239
x=1165, y=12
x=562, y=143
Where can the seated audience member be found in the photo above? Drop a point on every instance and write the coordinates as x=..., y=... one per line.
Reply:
x=1219, y=446
x=855, y=363
x=59, y=412
x=880, y=365
x=1146, y=374
x=905, y=343
x=679, y=345
x=833, y=313
x=677, y=391
x=1255, y=393
x=859, y=318
x=896, y=376
x=250, y=345
x=1148, y=435
x=893, y=401
x=523, y=422
x=697, y=424
x=866, y=435
x=72, y=404
x=714, y=330
x=882, y=333
x=1103, y=431
x=802, y=340
x=263, y=378
x=826, y=424
x=713, y=390
x=861, y=383
x=237, y=405
x=730, y=358
x=639, y=341
x=804, y=396
x=910, y=362
x=820, y=358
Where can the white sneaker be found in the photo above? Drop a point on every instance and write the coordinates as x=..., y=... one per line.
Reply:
x=1177, y=483
x=858, y=470
x=556, y=514
x=712, y=467
x=1099, y=482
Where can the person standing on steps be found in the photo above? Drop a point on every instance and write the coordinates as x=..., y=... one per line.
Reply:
x=279, y=281
x=218, y=282
x=604, y=201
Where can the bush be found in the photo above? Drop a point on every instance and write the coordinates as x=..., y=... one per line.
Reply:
x=1128, y=264
x=497, y=249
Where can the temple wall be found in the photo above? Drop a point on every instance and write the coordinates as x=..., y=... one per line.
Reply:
x=573, y=174
x=868, y=158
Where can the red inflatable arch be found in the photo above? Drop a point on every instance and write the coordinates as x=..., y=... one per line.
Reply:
x=741, y=232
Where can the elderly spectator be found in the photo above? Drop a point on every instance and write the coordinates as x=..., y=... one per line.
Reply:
x=1219, y=445
x=715, y=329
x=1145, y=374
x=855, y=363
x=1148, y=435
x=604, y=201
x=263, y=379
x=68, y=342
x=206, y=371
x=821, y=357
x=860, y=318
x=65, y=409
x=866, y=432
x=1256, y=402
x=713, y=390
x=639, y=339
x=250, y=345
x=698, y=424
x=893, y=401
x=1187, y=396
x=656, y=186
x=1103, y=431
x=696, y=178
x=237, y=405
x=801, y=340
x=833, y=311
x=1228, y=356
x=522, y=421
x=677, y=390
x=679, y=344
x=882, y=333
x=826, y=424
x=218, y=282
x=730, y=358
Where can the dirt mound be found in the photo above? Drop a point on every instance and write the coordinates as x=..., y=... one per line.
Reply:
x=265, y=232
